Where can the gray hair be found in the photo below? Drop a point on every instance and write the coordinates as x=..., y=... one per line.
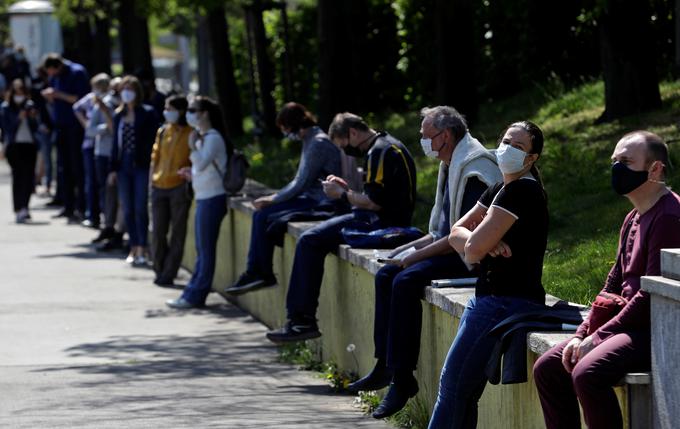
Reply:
x=443, y=117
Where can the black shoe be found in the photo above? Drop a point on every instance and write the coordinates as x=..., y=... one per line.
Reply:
x=105, y=234
x=250, y=282
x=113, y=243
x=294, y=331
x=396, y=399
x=75, y=218
x=378, y=378
x=62, y=213
x=55, y=203
x=87, y=223
x=163, y=282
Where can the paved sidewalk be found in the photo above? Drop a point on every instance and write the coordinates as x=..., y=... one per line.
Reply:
x=87, y=342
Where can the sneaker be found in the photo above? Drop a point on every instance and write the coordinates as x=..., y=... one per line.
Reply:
x=130, y=259
x=139, y=261
x=249, y=282
x=22, y=216
x=180, y=304
x=88, y=223
x=294, y=331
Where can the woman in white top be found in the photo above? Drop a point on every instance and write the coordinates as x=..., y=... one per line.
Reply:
x=20, y=122
x=209, y=153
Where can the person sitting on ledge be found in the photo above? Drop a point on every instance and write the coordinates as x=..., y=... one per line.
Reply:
x=466, y=170
x=319, y=159
x=388, y=200
x=608, y=346
x=506, y=233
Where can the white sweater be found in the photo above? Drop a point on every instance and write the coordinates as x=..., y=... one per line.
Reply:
x=206, y=180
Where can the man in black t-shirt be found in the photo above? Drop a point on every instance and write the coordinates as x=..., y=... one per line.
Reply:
x=388, y=200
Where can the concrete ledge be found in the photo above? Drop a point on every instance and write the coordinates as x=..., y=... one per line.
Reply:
x=670, y=263
x=661, y=286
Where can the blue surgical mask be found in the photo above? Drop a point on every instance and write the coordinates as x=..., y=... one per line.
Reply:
x=171, y=116
x=192, y=119
x=510, y=159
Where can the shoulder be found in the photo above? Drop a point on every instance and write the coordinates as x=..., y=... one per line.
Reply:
x=524, y=186
x=213, y=136
x=4, y=105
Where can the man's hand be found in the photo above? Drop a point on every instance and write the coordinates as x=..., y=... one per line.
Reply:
x=111, y=180
x=339, y=180
x=49, y=94
x=263, y=202
x=333, y=189
x=585, y=347
x=501, y=249
x=570, y=354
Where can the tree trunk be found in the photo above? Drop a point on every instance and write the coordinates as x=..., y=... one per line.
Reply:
x=265, y=68
x=454, y=56
x=631, y=84
x=102, y=40
x=223, y=66
x=134, y=38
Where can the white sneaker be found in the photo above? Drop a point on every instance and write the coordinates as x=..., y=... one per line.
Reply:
x=139, y=261
x=130, y=259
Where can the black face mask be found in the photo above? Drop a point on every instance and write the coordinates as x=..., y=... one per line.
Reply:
x=625, y=180
x=352, y=151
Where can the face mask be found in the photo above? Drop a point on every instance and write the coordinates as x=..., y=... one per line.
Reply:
x=19, y=99
x=510, y=159
x=100, y=94
x=192, y=119
x=352, y=151
x=292, y=136
x=171, y=116
x=625, y=180
x=427, y=148
x=128, y=96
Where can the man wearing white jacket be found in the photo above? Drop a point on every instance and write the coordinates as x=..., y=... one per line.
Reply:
x=467, y=169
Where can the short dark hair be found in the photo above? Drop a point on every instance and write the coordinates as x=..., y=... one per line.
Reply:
x=657, y=149
x=342, y=122
x=295, y=116
x=181, y=104
x=52, y=60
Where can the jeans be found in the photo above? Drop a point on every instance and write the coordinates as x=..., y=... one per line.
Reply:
x=70, y=163
x=108, y=194
x=261, y=249
x=92, y=207
x=208, y=218
x=398, y=311
x=311, y=250
x=21, y=158
x=169, y=210
x=133, y=188
x=463, y=379
x=590, y=382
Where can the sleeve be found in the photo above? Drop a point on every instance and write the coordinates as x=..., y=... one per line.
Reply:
x=203, y=157
x=486, y=198
x=81, y=104
x=474, y=189
x=665, y=233
x=308, y=171
x=155, y=151
x=92, y=129
x=518, y=197
x=383, y=168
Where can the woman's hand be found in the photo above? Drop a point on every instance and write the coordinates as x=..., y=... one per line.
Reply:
x=112, y=178
x=501, y=249
x=185, y=173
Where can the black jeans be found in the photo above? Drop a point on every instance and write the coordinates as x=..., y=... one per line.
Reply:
x=21, y=158
x=398, y=310
x=169, y=210
x=70, y=160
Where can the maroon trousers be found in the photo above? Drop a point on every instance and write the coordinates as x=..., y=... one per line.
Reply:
x=590, y=382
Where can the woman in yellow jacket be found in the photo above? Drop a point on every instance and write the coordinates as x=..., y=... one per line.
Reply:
x=170, y=195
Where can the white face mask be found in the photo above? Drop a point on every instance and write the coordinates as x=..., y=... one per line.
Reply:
x=171, y=116
x=100, y=94
x=427, y=148
x=510, y=159
x=18, y=99
x=292, y=136
x=192, y=119
x=128, y=96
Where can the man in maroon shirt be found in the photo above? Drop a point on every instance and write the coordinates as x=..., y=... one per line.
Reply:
x=586, y=367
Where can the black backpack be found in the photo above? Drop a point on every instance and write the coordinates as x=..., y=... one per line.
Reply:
x=237, y=170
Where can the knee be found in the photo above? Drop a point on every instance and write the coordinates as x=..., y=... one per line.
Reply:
x=404, y=285
x=385, y=276
x=309, y=238
x=583, y=376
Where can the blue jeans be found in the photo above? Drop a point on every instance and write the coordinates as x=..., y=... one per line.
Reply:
x=133, y=188
x=311, y=250
x=92, y=206
x=45, y=142
x=261, y=249
x=208, y=218
x=463, y=379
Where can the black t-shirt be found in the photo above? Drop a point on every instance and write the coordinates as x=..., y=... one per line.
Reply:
x=520, y=274
x=391, y=180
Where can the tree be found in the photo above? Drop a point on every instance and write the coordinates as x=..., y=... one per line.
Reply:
x=134, y=37
x=628, y=59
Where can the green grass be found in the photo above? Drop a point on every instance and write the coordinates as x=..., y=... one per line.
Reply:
x=585, y=214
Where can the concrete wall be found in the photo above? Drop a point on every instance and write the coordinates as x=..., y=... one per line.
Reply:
x=346, y=310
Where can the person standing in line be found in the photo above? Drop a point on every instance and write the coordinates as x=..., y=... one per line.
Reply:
x=83, y=109
x=170, y=199
x=134, y=131
x=68, y=82
x=20, y=122
x=209, y=152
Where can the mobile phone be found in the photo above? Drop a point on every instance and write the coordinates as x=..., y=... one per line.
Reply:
x=468, y=281
x=391, y=261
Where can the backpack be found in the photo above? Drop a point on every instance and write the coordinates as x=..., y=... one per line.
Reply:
x=237, y=170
